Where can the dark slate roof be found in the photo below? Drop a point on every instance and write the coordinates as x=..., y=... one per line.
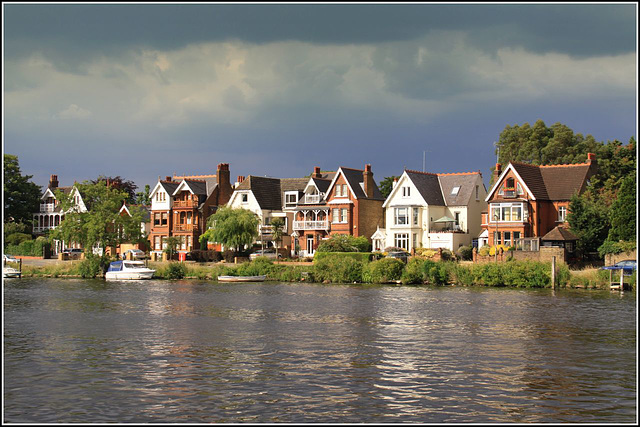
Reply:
x=169, y=187
x=198, y=187
x=554, y=182
x=428, y=185
x=466, y=182
x=564, y=181
x=322, y=184
x=266, y=191
x=559, y=234
x=292, y=184
x=354, y=177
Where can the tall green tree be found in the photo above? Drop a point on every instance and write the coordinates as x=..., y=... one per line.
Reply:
x=623, y=212
x=589, y=221
x=21, y=196
x=144, y=198
x=172, y=243
x=277, y=225
x=233, y=228
x=129, y=187
x=386, y=185
x=103, y=224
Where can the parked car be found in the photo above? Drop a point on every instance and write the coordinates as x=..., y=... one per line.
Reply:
x=628, y=266
x=269, y=253
x=137, y=254
x=401, y=255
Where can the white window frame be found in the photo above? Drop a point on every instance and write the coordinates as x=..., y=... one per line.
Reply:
x=401, y=240
x=562, y=213
x=397, y=216
x=511, y=208
x=287, y=195
x=244, y=198
x=455, y=190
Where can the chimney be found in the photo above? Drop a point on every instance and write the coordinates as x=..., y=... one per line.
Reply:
x=240, y=179
x=367, y=177
x=316, y=172
x=167, y=178
x=497, y=172
x=395, y=182
x=53, y=181
x=593, y=164
x=224, y=184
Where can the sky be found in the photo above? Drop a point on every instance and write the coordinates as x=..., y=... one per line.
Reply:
x=149, y=90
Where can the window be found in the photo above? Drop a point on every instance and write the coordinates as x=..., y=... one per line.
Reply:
x=336, y=214
x=415, y=216
x=156, y=219
x=245, y=197
x=341, y=190
x=401, y=240
x=507, y=238
x=510, y=184
x=414, y=242
x=400, y=216
x=339, y=215
x=165, y=220
x=477, y=192
x=455, y=190
x=457, y=215
x=406, y=191
x=562, y=213
x=156, y=245
x=291, y=198
x=507, y=212
x=343, y=215
x=519, y=190
x=496, y=238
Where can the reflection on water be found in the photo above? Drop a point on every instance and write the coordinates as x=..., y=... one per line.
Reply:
x=188, y=351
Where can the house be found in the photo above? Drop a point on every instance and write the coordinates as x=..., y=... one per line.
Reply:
x=528, y=204
x=430, y=210
x=270, y=198
x=51, y=215
x=145, y=228
x=347, y=201
x=181, y=205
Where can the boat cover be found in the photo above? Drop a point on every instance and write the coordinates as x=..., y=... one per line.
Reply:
x=115, y=266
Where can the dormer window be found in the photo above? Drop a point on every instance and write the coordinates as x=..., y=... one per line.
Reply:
x=290, y=197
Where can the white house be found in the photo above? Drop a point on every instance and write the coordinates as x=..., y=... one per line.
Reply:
x=428, y=210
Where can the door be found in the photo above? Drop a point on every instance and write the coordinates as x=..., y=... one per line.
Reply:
x=309, y=245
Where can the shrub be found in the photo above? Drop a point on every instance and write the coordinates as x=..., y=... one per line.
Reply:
x=465, y=253
x=382, y=271
x=363, y=257
x=462, y=275
x=175, y=270
x=260, y=266
x=17, y=238
x=91, y=266
x=345, y=243
x=338, y=270
x=435, y=272
x=426, y=252
x=610, y=247
x=447, y=255
x=413, y=272
x=484, y=251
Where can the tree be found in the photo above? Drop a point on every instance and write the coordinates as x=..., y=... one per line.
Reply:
x=622, y=214
x=386, y=185
x=277, y=226
x=144, y=199
x=233, y=228
x=172, y=243
x=129, y=187
x=102, y=225
x=21, y=196
x=588, y=220
x=345, y=243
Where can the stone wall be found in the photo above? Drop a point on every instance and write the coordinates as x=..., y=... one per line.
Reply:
x=543, y=255
x=614, y=258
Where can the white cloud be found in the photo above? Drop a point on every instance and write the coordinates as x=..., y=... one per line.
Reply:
x=73, y=112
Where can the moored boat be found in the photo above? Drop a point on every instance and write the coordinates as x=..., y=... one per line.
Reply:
x=11, y=273
x=128, y=270
x=241, y=278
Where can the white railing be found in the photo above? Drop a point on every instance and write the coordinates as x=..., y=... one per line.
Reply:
x=310, y=225
x=311, y=199
x=265, y=229
x=45, y=228
x=47, y=207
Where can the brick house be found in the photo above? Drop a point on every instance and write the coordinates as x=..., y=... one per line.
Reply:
x=181, y=205
x=528, y=204
x=347, y=201
x=429, y=210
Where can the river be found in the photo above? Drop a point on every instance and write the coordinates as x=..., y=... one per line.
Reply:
x=200, y=352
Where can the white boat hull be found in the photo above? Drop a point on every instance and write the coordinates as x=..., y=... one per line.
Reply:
x=129, y=275
x=241, y=278
x=11, y=273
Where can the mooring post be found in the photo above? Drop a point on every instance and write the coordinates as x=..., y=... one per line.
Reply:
x=553, y=272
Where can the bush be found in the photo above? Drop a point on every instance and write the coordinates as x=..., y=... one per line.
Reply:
x=413, y=272
x=435, y=272
x=426, y=252
x=175, y=270
x=91, y=266
x=338, y=270
x=465, y=253
x=462, y=275
x=484, y=251
x=259, y=267
x=345, y=243
x=16, y=238
x=611, y=248
x=363, y=257
x=383, y=271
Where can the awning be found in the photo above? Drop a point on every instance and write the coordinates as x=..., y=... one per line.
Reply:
x=445, y=219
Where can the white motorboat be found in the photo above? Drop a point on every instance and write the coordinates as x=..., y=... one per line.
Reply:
x=128, y=270
x=11, y=273
x=241, y=278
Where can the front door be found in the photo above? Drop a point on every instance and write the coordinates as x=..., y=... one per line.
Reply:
x=309, y=245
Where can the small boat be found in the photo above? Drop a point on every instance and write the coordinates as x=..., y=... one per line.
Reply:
x=11, y=273
x=128, y=270
x=241, y=278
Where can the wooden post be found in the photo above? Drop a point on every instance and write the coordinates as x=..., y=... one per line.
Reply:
x=553, y=272
x=622, y=279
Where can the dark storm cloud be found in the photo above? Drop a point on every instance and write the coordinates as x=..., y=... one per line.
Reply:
x=573, y=29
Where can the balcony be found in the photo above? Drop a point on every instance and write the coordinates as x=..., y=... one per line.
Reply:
x=312, y=199
x=311, y=225
x=185, y=204
x=265, y=229
x=47, y=207
x=184, y=227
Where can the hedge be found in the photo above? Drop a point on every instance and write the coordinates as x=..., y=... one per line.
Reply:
x=358, y=256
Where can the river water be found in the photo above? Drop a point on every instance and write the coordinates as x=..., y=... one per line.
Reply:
x=193, y=351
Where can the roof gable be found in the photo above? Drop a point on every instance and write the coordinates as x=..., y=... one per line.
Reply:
x=465, y=183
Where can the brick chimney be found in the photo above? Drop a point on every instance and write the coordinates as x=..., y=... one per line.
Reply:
x=497, y=172
x=53, y=181
x=593, y=164
x=316, y=172
x=224, y=184
x=367, y=177
x=167, y=178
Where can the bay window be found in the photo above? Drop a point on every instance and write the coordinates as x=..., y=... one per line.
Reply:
x=507, y=212
x=400, y=216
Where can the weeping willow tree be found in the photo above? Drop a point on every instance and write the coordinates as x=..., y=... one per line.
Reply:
x=232, y=228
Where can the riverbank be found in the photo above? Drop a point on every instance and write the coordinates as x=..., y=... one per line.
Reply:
x=345, y=270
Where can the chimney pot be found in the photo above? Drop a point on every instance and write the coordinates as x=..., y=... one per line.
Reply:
x=167, y=178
